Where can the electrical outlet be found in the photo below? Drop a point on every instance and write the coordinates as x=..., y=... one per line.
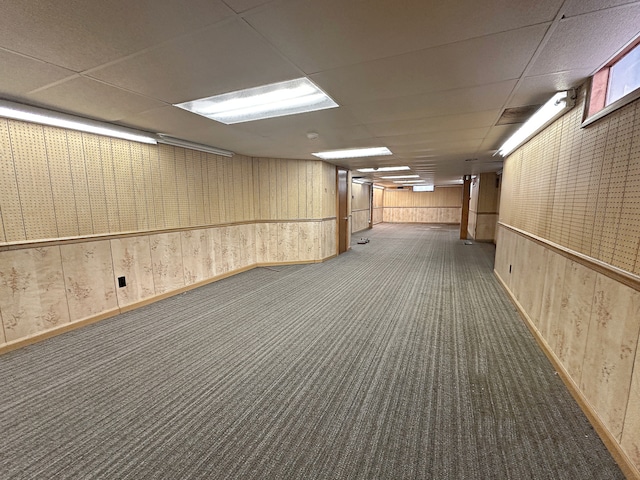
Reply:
x=509, y=268
x=122, y=282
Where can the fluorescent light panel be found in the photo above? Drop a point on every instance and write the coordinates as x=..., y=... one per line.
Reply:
x=177, y=142
x=423, y=188
x=27, y=113
x=555, y=106
x=353, y=153
x=267, y=101
x=383, y=169
x=391, y=177
x=409, y=181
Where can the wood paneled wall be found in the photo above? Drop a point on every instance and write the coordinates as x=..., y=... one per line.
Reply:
x=174, y=217
x=378, y=205
x=483, y=207
x=570, y=228
x=580, y=187
x=443, y=205
x=360, y=206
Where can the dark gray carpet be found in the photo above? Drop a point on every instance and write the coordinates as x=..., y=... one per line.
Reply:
x=402, y=359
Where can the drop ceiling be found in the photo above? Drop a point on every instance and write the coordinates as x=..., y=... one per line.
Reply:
x=428, y=79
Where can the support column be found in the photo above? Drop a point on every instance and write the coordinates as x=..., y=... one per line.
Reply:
x=464, y=220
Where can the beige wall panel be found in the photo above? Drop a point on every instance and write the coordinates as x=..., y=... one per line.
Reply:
x=32, y=292
x=201, y=212
x=226, y=260
x=132, y=259
x=485, y=226
x=166, y=260
x=169, y=188
x=212, y=189
x=261, y=188
x=110, y=185
x=248, y=242
x=216, y=240
x=287, y=241
x=378, y=215
x=197, y=255
x=64, y=201
x=304, y=192
x=360, y=221
x=238, y=194
x=222, y=179
x=142, y=192
x=575, y=312
x=10, y=208
x=631, y=432
x=190, y=182
x=95, y=180
x=329, y=193
x=34, y=183
x=184, y=209
x=293, y=194
x=611, y=346
x=329, y=245
x=552, y=299
x=89, y=279
x=125, y=186
x=77, y=162
x=530, y=271
x=262, y=242
x=309, y=241
x=206, y=206
x=155, y=171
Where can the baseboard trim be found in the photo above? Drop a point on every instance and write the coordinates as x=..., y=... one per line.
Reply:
x=67, y=327
x=624, y=462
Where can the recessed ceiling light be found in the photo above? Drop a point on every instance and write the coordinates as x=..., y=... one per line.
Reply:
x=409, y=181
x=391, y=177
x=382, y=169
x=353, y=153
x=273, y=100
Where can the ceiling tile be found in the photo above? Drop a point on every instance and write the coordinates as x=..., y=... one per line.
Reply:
x=536, y=90
x=433, y=104
x=240, y=6
x=437, y=138
x=434, y=124
x=577, y=43
x=87, y=97
x=319, y=35
x=22, y=74
x=580, y=7
x=82, y=35
x=200, y=65
x=470, y=63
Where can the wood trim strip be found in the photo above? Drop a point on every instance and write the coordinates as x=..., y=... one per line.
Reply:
x=111, y=236
x=418, y=206
x=622, y=459
x=617, y=274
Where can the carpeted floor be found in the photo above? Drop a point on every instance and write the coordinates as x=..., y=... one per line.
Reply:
x=401, y=359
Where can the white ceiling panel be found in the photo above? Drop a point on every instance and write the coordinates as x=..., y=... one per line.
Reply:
x=458, y=65
x=538, y=89
x=240, y=6
x=81, y=35
x=323, y=35
x=200, y=65
x=90, y=98
x=435, y=124
x=580, y=7
x=433, y=104
x=22, y=74
x=577, y=45
x=437, y=138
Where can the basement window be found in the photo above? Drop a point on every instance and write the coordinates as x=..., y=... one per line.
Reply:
x=615, y=85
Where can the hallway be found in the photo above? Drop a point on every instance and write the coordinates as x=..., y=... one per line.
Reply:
x=401, y=359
